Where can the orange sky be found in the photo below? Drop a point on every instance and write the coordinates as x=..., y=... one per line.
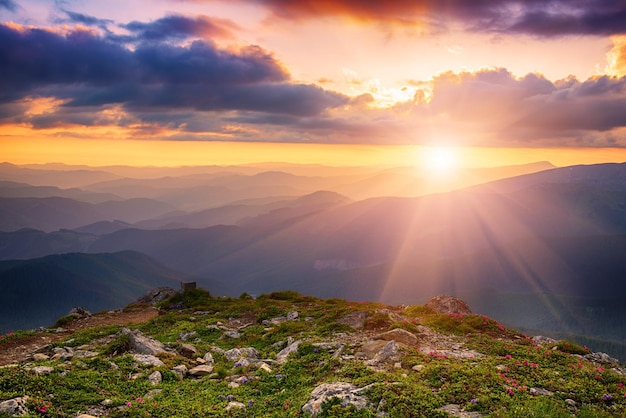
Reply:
x=171, y=82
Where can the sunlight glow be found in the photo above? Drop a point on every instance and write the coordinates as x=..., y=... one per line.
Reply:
x=440, y=160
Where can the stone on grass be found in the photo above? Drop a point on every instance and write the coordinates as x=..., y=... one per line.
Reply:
x=42, y=370
x=188, y=350
x=148, y=360
x=142, y=344
x=208, y=358
x=14, y=407
x=202, y=370
x=155, y=378
x=540, y=392
x=346, y=392
x=180, y=371
x=455, y=410
x=399, y=335
x=40, y=357
x=446, y=304
x=281, y=357
x=233, y=405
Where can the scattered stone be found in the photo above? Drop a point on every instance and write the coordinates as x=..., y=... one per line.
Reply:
x=79, y=311
x=202, y=370
x=264, y=367
x=42, y=370
x=208, y=358
x=142, y=344
x=14, y=407
x=447, y=304
x=157, y=295
x=541, y=340
x=188, y=350
x=570, y=403
x=371, y=348
x=355, y=320
x=233, y=404
x=292, y=316
x=148, y=360
x=40, y=357
x=418, y=367
x=399, y=335
x=155, y=378
x=540, y=392
x=85, y=416
x=114, y=366
x=85, y=354
x=388, y=354
x=249, y=353
x=456, y=411
x=346, y=392
x=339, y=351
x=234, y=334
x=187, y=335
x=62, y=353
x=180, y=371
x=281, y=357
x=106, y=402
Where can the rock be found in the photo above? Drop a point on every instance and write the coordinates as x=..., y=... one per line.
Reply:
x=355, y=320
x=187, y=335
x=14, y=407
x=601, y=358
x=208, y=358
x=85, y=416
x=151, y=394
x=540, y=392
x=232, y=334
x=40, y=357
x=142, y=344
x=372, y=347
x=346, y=392
x=570, y=403
x=233, y=404
x=399, y=335
x=201, y=370
x=85, y=354
x=233, y=354
x=282, y=355
x=249, y=353
x=455, y=411
x=418, y=367
x=63, y=353
x=292, y=316
x=188, y=350
x=157, y=295
x=148, y=360
x=42, y=370
x=155, y=378
x=180, y=371
x=79, y=311
x=388, y=354
x=540, y=340
x=262, y=366
x=446, y=304
x=106, y=402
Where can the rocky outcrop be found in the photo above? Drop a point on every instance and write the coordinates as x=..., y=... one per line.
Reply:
x=347, y=393
x=142, y=344
x=446, y=304
x=14, y=407
x=157, y=295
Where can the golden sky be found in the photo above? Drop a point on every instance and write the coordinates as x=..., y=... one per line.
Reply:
x=172, y=82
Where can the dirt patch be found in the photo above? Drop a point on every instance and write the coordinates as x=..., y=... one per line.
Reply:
x=14, y=351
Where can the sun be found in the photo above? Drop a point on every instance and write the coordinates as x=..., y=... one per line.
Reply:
x=439, y=160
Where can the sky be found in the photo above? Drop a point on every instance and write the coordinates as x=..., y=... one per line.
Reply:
x=172, y=82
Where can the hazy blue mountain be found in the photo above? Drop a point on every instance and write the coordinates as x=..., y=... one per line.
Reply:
x=51, y=175
x=13, y=189
x=37, y=292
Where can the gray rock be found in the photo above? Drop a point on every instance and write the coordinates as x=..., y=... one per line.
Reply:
x=155, y=378
x=346, y=392
x=42, y=370
x=157, y=295
x=282, y=355
x=40, y=357
x=570, y=403
x=448, y=304
x=233, y=405
x=142, y=344
x=180, y=371
x=456, y=411
x=208, y=358
x=539, y=392
x=540, y=340
x=262, y=366
x=418, y=367
x=201, y=370
x=249, y=353
x=188, y=350
x=79, y=311
x=399, y=335
x=85, y=354
x=14, y=407
x=370, y=348
x=152, y=393
x=355, y=320
x=234, y=334
x=292, y=316
x=148, y=360
x=233, y=354
x=601, y=358
x=63, y=353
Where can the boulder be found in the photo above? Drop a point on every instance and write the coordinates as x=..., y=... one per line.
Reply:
x=79, y=311
x=142, y=344
x=155, y=378
x=201, y=370
x=188, y=350
x=180, y=371
x=157, y=295
x=14, y=407
x=42, y=370
x=148, y=360
x=355, y=320
x=282, y=355
x=346, y=392
x=446, y=304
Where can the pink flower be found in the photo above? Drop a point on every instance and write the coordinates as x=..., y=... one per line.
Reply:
x=129, y=404
x=508, y=357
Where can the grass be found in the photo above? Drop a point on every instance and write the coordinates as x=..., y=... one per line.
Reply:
x=496, y=385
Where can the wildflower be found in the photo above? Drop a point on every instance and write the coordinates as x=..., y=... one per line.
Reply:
x=250, y=403
x=607, y=398
x=508, y=357
x=474, y=401
x=229, y=397
x=139, y=400
x=129, y=404
x=534, y=365
x=315, y=350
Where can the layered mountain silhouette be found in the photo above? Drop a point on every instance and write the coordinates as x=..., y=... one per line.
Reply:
x=542, y=250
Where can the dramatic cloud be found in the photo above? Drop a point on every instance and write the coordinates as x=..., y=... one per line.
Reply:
x=178, y=27
x=73, y=17
x=87, y=74
x=8, y=4
x=534, y=17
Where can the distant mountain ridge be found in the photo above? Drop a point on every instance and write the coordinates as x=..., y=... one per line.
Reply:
x=38, y=291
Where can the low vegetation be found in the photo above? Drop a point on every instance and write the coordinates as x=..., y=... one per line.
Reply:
x=478, y=365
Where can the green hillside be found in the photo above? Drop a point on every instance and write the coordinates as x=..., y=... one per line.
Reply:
x=288, y=355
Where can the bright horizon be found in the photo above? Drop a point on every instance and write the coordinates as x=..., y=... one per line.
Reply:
x=196, y=82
